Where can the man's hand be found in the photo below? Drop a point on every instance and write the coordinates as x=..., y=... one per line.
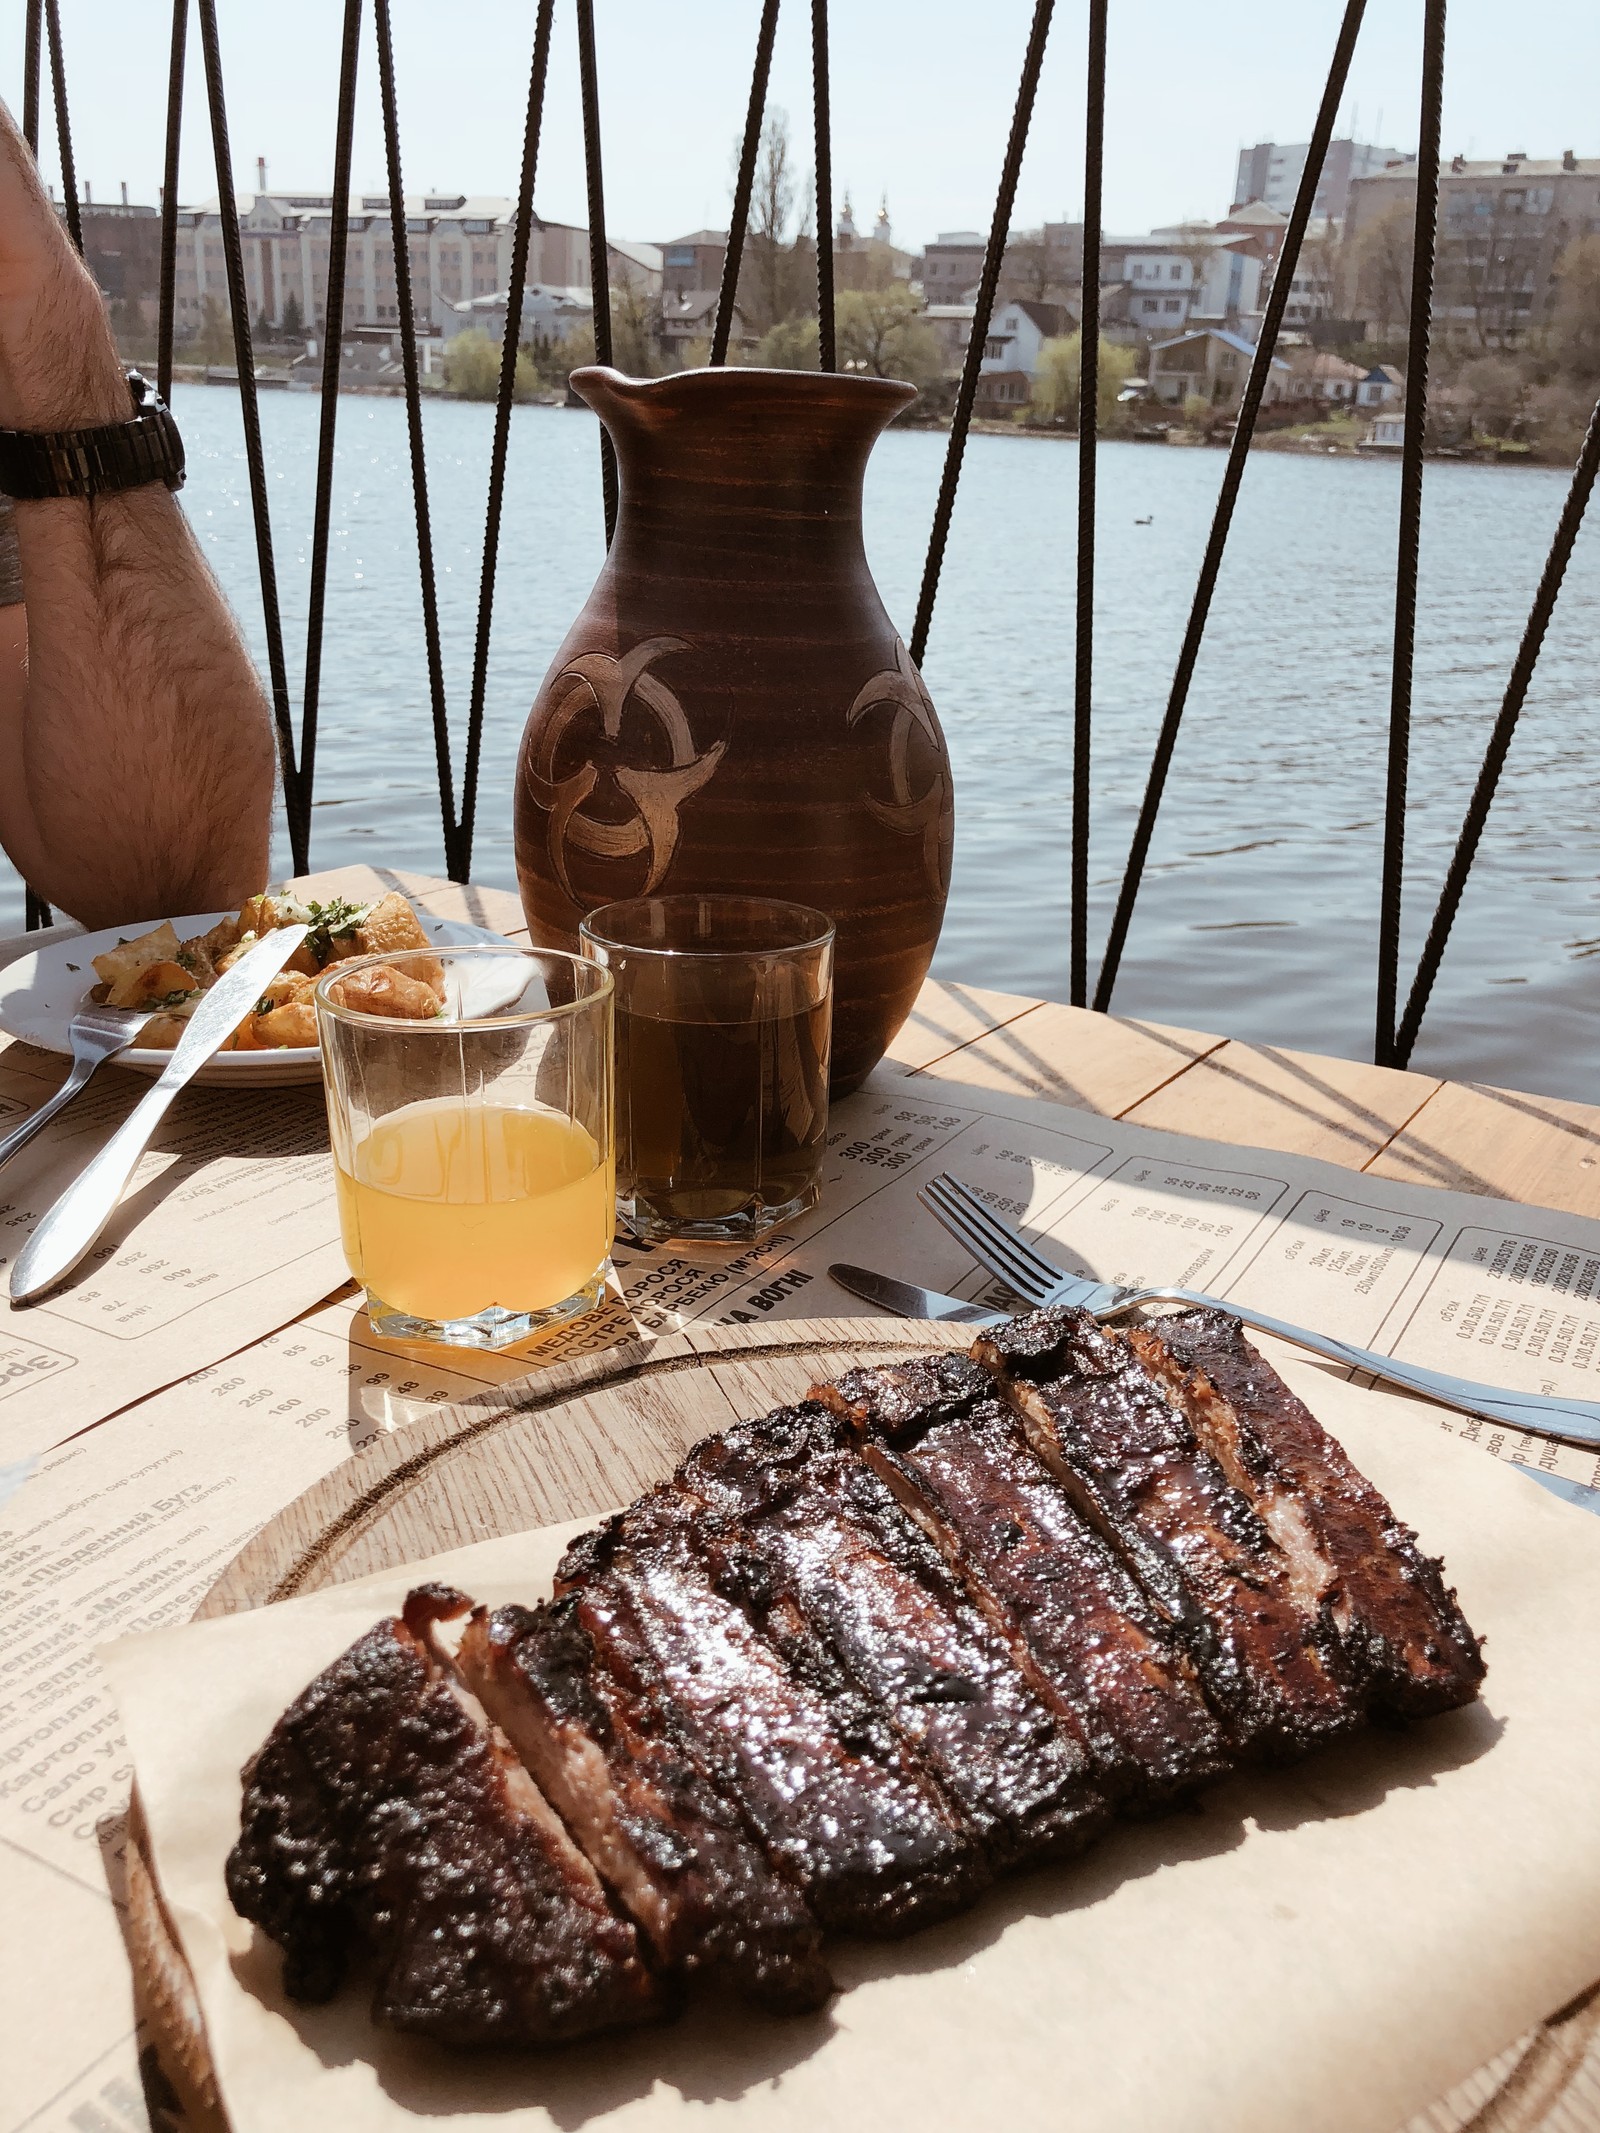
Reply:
x=59, y=368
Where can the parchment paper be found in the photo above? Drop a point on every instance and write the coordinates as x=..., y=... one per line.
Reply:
x=1323, y=1949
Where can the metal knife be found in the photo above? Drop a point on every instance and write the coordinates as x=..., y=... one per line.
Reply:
x=906, y=1300
x=67, y=1231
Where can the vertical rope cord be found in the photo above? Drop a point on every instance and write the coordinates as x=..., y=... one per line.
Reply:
x=827, y=338
x=32, y=39
x=36, y=913
x=994, y=255
x=1088, y=445
x=744, y=183
x=1494, y=761
x=1227, y=497
x=1384, y=1050
x=166, y=304
x=400, y=238
x=332, y=339
x=296, y=803
x=522, y=239
x=58, y=85
x=599, y=267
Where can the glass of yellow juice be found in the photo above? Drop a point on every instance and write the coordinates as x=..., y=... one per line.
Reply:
x=470, y=1112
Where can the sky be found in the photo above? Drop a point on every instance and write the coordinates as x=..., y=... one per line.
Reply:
x=922, y=92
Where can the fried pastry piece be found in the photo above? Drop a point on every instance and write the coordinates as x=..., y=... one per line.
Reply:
x=843, y=1808
x=384, y=1815
x=1268, y=1652
x=1084, y=1628
x=1406, y=1645
x=680, y=1858
x=792, y=1519
x=382, y=991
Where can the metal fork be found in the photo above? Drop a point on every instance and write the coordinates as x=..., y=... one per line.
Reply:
x=1033, y=1278
x=95, y=1034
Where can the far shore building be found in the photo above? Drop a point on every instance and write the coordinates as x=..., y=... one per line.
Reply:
x=1317, y=374
x=693, y=262
x=548, y=314
x=689, y=318
x=1271, y=171
x=1503, y=226
x=1189, y=274
x=1017, y=333
x=459, y=248
x=951, y=325
x=1210, y=364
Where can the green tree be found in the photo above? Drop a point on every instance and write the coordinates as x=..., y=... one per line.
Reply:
x=1575, y=325
x=294, y=324
x=214, y=342
x=636, y=331
x=882, y=332
x=472, y=368
x=790, y=345
x=1056, y=384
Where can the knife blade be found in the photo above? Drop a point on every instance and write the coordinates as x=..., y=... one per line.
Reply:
x=906, y=1300
x=70, y=1227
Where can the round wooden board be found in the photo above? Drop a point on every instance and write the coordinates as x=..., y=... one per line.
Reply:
x=581, y=1438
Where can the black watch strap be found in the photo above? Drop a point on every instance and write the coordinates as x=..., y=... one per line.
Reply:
x=97, y=462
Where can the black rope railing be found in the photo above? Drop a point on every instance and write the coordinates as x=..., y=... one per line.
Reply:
x=58, y=88
x=1408, y=547
x=993, y=259
x=1228, y=496
x=32, y=39
x=599, y=261
x=1094, y=139
x=521, y=240
x=827, y=310
x=332, y=326
x=728, y=295
x=401, y=241
x=1505, y=725
x=166, y=300
x=249, y=407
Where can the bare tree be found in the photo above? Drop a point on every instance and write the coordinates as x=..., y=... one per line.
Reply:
x=775, y=272
x=1377, y=268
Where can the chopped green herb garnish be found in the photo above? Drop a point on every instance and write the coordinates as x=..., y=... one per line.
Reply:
x=336, y=920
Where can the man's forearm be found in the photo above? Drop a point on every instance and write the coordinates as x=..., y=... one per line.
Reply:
x=136, y=770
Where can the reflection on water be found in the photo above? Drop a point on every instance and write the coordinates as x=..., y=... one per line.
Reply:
x=1260, y=906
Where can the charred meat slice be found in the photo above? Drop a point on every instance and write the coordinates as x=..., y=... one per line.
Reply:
x=1405, y=1640
x=1268, y=1649
x=384, y=1816
x=790, y=1516
x=1106, y=1655
x=769, y=1720
x=677, y=1855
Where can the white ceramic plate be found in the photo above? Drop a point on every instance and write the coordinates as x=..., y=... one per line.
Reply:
x=40, y=993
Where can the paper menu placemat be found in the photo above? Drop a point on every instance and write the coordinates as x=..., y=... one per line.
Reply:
x=1321, y=1948
x=229, y=1230
x=1483, y=1288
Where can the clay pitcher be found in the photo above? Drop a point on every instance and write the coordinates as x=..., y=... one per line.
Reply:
x=733, y=711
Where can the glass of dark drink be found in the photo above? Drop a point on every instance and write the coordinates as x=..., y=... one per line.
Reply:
x=724, y=1015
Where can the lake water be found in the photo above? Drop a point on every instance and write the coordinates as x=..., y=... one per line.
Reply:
x=1259, y=911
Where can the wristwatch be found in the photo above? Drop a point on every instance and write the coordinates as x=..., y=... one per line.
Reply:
x=97, y=462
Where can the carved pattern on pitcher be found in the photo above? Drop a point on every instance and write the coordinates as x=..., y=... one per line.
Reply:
x=900, y=688
x=597, y=681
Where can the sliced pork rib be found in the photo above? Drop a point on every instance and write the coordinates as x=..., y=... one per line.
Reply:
x=1406, y=1644
x=677, y=1854
x=1108, y=1657
x=768, y=1718
x=385, y=1817
x=789, y=1517
x=1261, y=1632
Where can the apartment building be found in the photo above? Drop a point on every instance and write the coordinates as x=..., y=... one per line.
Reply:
x=1271, y=171
x=459, y=247
x=1503, y=226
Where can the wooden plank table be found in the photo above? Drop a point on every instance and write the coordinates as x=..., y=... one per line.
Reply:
x=1540, y=1150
